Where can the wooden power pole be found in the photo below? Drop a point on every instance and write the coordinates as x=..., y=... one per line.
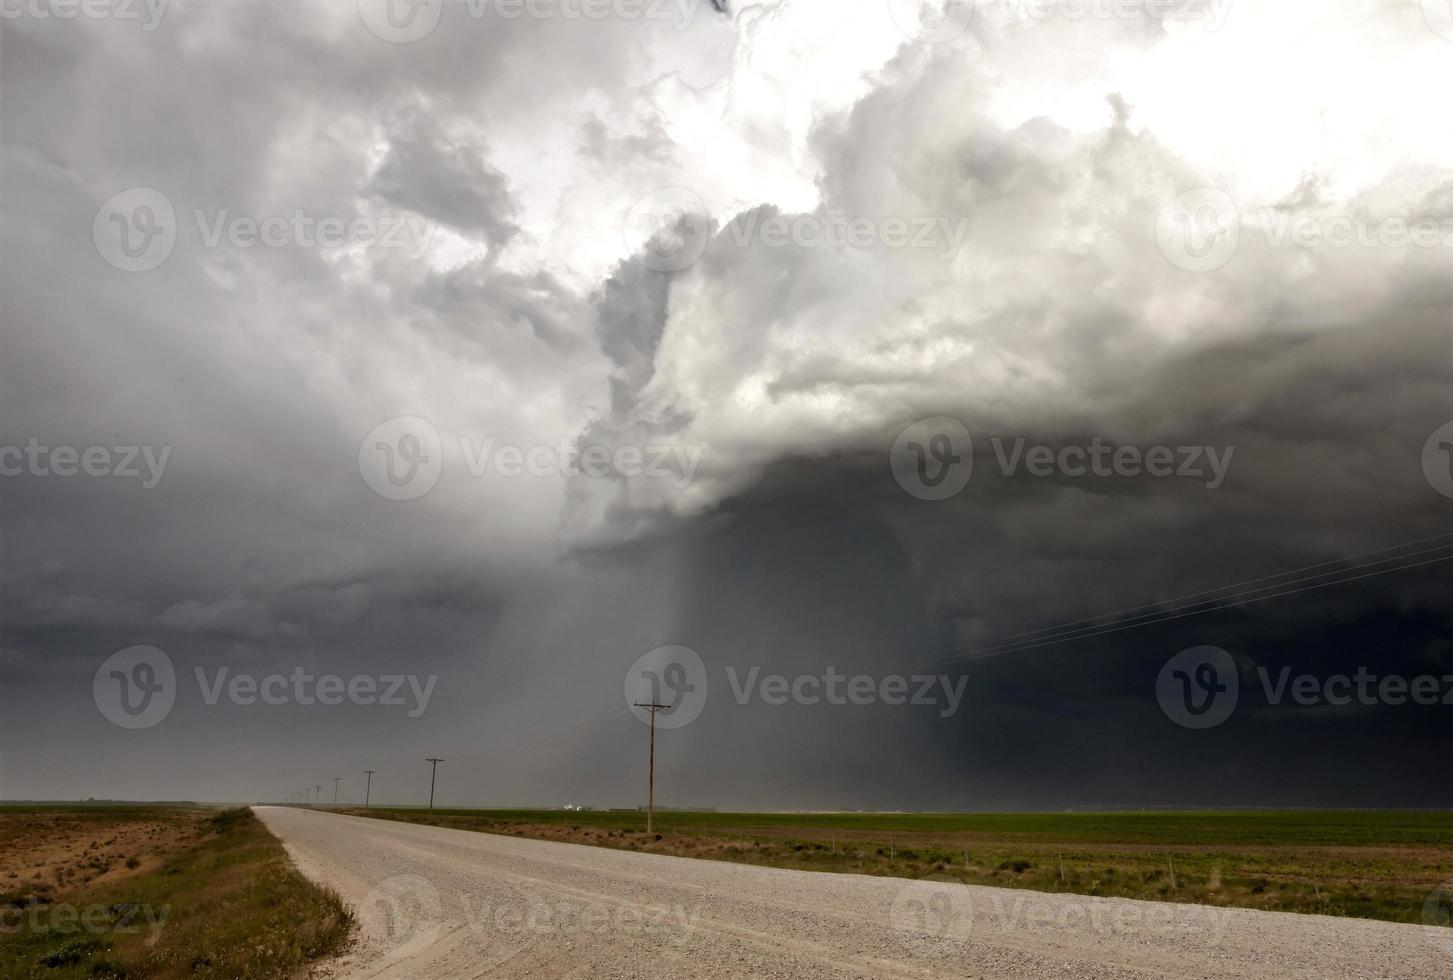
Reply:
x=431, y=780
x=651, y=766
x=368, y=786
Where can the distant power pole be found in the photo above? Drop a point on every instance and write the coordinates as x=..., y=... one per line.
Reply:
x=432, y=772
x=307, y=795
x=368, y=786
x=651, y=769
x=318, y=796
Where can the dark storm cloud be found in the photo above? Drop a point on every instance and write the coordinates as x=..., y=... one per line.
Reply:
x=792, y=369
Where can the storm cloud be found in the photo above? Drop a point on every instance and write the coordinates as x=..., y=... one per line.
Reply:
x=508, y=353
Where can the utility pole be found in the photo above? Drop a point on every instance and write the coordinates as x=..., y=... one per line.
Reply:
x=318, y=796
x=651, y=769
x=335, y=789
x=432, y=772
x=368, y=786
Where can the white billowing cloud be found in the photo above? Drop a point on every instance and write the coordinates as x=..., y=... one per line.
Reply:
x=1060, y=143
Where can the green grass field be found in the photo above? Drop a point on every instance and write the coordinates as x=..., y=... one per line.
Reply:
x=156, y=892
x=1370, y=864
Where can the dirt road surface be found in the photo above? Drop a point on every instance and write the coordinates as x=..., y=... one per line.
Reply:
x=440, y=903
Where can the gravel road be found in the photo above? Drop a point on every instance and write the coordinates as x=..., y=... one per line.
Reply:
x=437, y=903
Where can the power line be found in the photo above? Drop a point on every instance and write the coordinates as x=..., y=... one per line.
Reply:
x=1079, y=629
x=1182, y=615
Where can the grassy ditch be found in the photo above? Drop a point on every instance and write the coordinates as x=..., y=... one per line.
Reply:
x=214, y=896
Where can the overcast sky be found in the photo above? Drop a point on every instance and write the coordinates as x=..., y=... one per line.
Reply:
x=494, y=347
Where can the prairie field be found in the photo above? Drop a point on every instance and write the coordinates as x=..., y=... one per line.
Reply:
x=1367, y=864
